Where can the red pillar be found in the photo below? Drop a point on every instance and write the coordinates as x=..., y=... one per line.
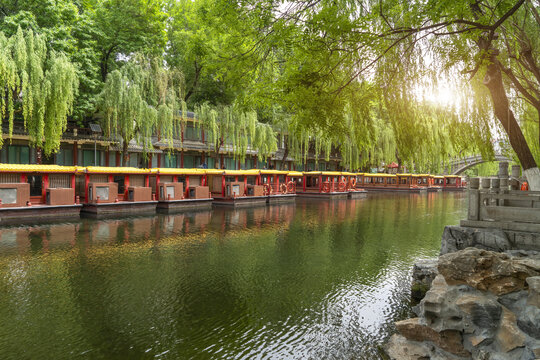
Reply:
x=223, y=185
x=147, y=181
x=126, y=185
x=111, y=178
x=23, y=178
x=86, y=183
x=44, y=187
x=304, y=183
x=187, y=186
x=245, y=185
x=72, y=178
x=333, y=181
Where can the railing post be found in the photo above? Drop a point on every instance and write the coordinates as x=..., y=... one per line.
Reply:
x=474, y=199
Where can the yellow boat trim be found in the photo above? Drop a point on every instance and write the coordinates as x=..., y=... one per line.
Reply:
x=176, y=171
x=115, y=170
x=272, y=172
x=312, y=172
x=253, y=172
x=451, y=176
x=380, y=175
x=37, y=168
x=438, y=176
x=295, y=174
x=404, y=174
x=331, y=173
x=346, y=173
x=214, y=171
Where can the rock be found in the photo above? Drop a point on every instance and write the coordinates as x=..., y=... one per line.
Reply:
x=486, y=270
x=400, y=348
x=514, y=301
x=456, y=238
x=438, y=307
x=479, y=312
x=534, y=291
x=448, y=340
x=529, y=321
x=509, y=336
x=424, y=271
x=536, y=352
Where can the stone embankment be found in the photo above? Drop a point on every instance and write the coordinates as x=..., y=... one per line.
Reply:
x=481, y=304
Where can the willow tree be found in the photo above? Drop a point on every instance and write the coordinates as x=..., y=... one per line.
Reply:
x=487, y=49
x=141, y=100
x=37, y=85
x=231, y=130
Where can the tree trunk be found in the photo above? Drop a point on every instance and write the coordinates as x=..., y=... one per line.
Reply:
x=125, y=153
x=398, y=159
x=285, y=154
x=493, y=81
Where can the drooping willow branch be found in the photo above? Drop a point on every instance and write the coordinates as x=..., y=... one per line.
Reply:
x=39, y=83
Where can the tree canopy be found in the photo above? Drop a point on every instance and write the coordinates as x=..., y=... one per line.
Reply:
x=38, y=83
x=360, y=78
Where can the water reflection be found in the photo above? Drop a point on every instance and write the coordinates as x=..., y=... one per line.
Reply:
x=315, y=279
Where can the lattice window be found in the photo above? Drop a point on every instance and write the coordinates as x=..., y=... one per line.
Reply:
x=10, y=178
x=59, y=181
x=136, y=180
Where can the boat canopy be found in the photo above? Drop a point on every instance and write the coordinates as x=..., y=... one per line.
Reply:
x=276, y=172
x=380, y=175
x=115, y=170
x=177, y=171
x=23, y=168
x=252, y=172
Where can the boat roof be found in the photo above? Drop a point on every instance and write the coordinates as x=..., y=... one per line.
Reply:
x=381, y=175
x=252, y=172
x=271, y=171
x=326, y=173
x=22, y=168
x=114, y=170
x=177, y=171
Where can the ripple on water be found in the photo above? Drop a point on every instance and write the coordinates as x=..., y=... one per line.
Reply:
x=311, y=280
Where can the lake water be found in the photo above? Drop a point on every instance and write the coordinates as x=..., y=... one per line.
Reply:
x=316, y=279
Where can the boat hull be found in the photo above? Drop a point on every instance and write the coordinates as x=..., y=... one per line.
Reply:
x=39, y=213
x=176, y=206
x=121, y=208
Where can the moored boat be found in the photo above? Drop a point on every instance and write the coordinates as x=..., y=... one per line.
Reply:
x=323, y=184
x=277, y=186
x=351, y=179
x=453, y=183
x=37, y=192
x=180, y=189
x=236, y=188
x=389, y=182
x=114, y=191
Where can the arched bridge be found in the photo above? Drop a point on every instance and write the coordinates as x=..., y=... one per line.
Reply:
x=460, y=165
